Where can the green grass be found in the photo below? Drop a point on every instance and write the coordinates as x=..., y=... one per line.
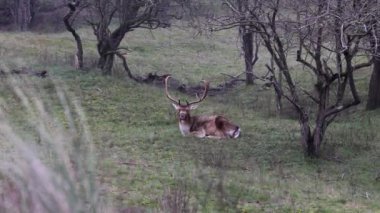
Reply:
x=144, y=161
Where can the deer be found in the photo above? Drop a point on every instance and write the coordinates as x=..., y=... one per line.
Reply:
x=201, y=126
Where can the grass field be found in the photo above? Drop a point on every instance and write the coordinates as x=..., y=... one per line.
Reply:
x=142, y=161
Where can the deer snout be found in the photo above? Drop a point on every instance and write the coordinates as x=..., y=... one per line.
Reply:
x=236, y=133
x=182, y=116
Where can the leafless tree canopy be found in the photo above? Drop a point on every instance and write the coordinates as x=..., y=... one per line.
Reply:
x=327, y=34
x=125, y=16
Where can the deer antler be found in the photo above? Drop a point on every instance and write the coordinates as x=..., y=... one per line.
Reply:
x=206, y=84
x=167, y=91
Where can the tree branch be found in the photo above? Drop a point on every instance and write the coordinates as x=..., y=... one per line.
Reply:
x=304, y=62
x=362, y=65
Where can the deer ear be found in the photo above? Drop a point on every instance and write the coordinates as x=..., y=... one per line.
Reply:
x=194, y=106
x=176, y=106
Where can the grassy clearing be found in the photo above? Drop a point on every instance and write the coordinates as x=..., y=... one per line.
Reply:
x=143, y=161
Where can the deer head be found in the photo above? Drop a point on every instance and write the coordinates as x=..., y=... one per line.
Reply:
x=183, y=110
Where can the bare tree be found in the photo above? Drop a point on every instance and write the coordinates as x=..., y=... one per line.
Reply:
x=22, y=12
x=330, y=35
x=5, y=13
x=68, y=19
x=237, y=16
x=330, y=29
x=250, y=40
x=132, y=14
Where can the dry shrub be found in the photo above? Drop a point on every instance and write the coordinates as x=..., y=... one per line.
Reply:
x=52, y=168
x=177, y=200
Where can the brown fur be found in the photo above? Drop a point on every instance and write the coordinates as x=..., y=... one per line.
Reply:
x=214, y=126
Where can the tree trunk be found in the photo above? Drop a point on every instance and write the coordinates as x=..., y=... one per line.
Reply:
x=106, y=63
x=311, y=143
x=278, y=94
x=318, y=136
x=107, y=47
x=276, y=80
x=23, y=14
x=306, y=137
x=78, y=40
x=319, y=130
x=320, y=123
x=106, y=54
x=247, y=40
x=373, y=101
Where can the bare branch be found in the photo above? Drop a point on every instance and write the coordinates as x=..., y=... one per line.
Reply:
x=310, y=96
x=304, y=62
x=363, y=65
x=229, y=5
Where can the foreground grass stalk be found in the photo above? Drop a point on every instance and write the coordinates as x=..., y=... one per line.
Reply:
x=52, y=168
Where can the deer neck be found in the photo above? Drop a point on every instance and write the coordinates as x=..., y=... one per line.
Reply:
x=185, y=125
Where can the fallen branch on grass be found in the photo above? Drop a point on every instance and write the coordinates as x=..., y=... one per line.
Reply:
x=25, y=71
x=158, y=80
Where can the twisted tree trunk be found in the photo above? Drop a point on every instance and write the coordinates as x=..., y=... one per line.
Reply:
x=78, y=40
x=107, y=47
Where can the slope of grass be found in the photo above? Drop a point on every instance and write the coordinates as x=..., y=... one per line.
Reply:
x=143, y=161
